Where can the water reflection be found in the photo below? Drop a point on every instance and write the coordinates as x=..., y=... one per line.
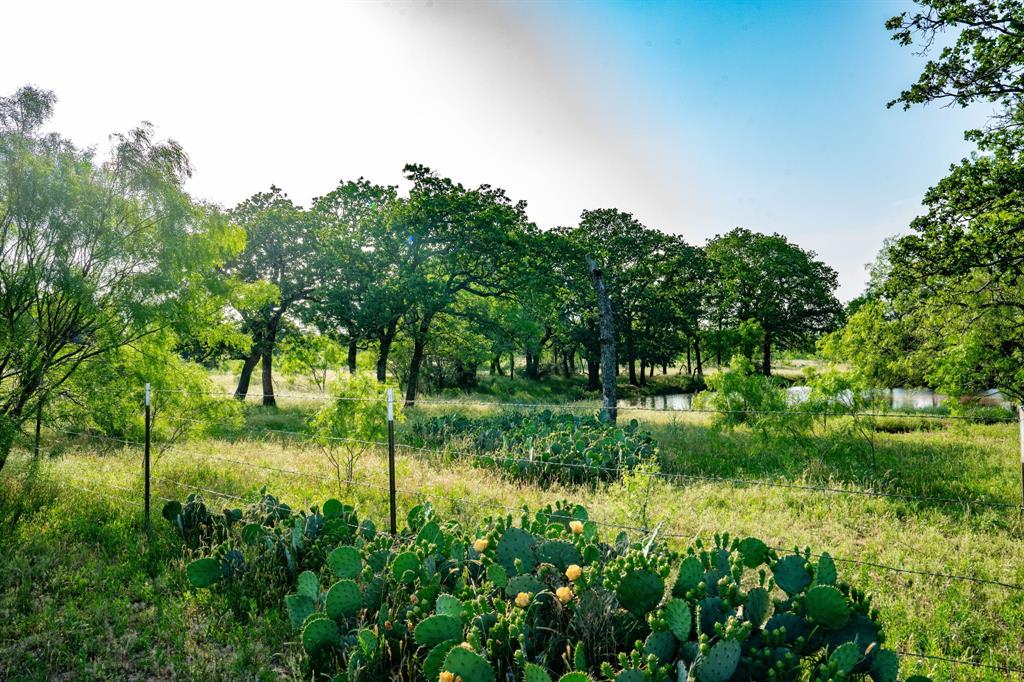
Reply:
x=897, y=398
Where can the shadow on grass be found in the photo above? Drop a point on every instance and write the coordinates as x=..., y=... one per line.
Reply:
x=960, y=461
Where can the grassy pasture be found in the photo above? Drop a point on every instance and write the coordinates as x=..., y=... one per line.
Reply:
x=80, y=598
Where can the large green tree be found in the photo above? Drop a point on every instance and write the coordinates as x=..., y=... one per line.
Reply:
x=94, y=255
x=956, y=283
x=281, y=252
x=768, y=279
x=464, y=241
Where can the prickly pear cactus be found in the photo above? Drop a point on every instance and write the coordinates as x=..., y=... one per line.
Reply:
x=469, y=665
x=640, y=591
x=720, y=662
x=515, y=551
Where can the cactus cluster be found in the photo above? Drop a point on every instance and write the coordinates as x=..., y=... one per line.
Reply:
x=543, y=597
x=545, y=447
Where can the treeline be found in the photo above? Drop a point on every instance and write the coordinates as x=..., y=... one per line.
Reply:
x=112, y=276
x=446, y=280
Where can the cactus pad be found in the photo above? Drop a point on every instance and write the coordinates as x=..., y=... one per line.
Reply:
x=661, y=643
x=497, y=574
x=308, y=585
x=679, y=618
x=640, y=591
x=343, y=600
x=791, y=574
x=534, y=673
x=886, y=667
x=299, y=608
x=514, y=544
x=575, y=676
x=753, y=551
x=559, y=553
x=319, y=633
x=447, y=605
x=406, y=567
x=432, y=663
x=826, y=606
x=436, y=629
x=203, y=572
x=691, y=573
x=720, y=663
x=846, y=657
x=826, y=571
x=345, y=561
x=757, y=605
x=470, y=666
x=333, y=509
x=711, y=610
x=523, y=583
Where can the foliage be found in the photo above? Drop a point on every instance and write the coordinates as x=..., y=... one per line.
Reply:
x=107, y=396
x=353, y=422
x=769, y=280
x=551, y=596
x=253, y=555
x=544, y=447
x=310, y=355
x=741, y=395
x=95, y=256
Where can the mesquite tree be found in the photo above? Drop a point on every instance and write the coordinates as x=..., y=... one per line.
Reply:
x=93, y=255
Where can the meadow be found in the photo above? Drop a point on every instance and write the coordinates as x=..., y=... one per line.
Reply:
x=84, y=595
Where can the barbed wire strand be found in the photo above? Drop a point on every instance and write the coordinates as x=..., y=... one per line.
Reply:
x=587, y=406
x=618, y=471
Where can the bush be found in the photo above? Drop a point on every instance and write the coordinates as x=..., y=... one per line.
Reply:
x=544, y=447
x=253, y=555
x=353, y=422
x=550, y=596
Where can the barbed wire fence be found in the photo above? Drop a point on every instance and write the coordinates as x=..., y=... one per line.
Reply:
x=126, y=495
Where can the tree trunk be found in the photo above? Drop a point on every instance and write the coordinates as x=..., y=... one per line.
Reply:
x=565, y=365
x=664, y=369
x=352, y=350
x=643, y=372
x=243, y=381
x=608, y=364
x=632, y=371
x=766, y=363
x=689, y=361
x=593, y=375
x=418, y=346
x=696, y=353
x=386, y=336
x=511, y=365
x=268, y=379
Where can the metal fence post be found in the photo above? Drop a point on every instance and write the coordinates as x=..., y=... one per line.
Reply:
x=391, y=459
x=149, y=528
x=1020, y=419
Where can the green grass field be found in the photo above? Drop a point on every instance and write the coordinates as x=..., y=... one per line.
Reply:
x=82, y=596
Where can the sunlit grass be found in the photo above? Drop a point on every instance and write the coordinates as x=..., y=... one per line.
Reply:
x=80, y=597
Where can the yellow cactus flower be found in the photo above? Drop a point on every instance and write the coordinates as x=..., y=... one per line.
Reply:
x=523, y=600
x=467, y=646
x=446, y=676
x=564, y=594
x=480, y=545
x=573, y=572
x=576, y=527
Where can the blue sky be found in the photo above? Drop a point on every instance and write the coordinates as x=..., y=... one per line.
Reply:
x=696, y=117
x=771, y=115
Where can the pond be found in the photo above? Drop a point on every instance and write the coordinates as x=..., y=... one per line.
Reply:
x=898, y=399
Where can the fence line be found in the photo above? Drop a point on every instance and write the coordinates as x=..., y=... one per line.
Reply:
x=718, y=479
x=595, y=405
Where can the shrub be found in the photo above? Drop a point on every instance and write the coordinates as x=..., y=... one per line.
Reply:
x=352, y=423
x=550, y=596
x=544, y=447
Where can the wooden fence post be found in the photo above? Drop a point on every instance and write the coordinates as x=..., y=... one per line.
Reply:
x=391, y=460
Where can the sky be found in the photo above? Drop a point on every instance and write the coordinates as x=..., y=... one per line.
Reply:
x=695, y=117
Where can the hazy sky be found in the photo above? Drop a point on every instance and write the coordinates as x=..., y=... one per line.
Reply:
x=694, y=117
